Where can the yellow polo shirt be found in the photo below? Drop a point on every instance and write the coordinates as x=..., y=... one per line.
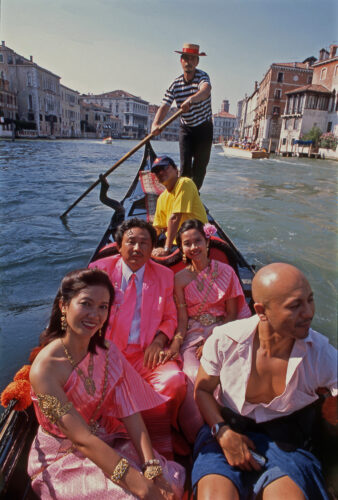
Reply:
x=183, y=199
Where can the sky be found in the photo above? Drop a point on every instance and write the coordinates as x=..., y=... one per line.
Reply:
x=102, y=45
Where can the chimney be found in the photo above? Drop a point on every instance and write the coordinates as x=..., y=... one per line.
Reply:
x=323, y=54
x=3, y=43
x=333, y=50
x=31, y=58
x=256, y=85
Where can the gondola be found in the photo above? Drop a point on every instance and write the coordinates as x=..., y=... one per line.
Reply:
x=17, y=428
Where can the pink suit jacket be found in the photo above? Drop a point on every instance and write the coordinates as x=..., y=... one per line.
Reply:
x=158, y=310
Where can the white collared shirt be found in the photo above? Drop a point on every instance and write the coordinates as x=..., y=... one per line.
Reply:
x=134, y=334
x=228, y=354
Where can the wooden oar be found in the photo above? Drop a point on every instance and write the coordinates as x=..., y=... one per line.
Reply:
x=121, y=160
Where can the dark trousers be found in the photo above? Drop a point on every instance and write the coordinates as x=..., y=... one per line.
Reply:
x=195, y=147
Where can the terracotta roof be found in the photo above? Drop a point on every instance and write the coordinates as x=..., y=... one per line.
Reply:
x=224, y=114
x=311, y=87
x=293, y=65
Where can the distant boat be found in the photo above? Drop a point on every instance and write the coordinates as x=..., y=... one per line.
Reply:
x=107, y=140
x=245, y=153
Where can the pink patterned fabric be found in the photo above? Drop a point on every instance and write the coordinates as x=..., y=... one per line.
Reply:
x=60, y=472
x=168, y=380
x=225, y=286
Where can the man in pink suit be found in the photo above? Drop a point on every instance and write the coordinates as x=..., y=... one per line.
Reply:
x=143, y=320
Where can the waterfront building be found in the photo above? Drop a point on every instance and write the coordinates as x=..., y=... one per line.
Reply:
x=37, y=91
x=224, y=123
x=279, y=79
x=131, y=110
x=70, y=115
x=97, y=121
x=170, y=133
x=8, y=107
x=312, y=105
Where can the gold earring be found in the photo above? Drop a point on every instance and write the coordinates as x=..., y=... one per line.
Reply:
x=184, y=258
x=63, y=320
x=100, y=332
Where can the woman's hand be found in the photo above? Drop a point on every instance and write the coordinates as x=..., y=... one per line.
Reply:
x=164, y=487
x=172, y=352
x=199, y=350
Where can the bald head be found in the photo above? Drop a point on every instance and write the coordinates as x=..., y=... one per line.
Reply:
x=276, y=280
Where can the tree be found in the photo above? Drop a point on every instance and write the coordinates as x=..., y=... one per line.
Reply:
x=313, y=135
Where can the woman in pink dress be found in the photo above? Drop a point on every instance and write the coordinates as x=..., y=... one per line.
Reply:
x=92, y=441
x=208, y=293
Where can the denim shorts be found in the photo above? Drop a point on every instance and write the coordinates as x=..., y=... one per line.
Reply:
x=300, y=465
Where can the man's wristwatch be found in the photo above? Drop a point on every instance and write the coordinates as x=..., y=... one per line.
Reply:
x=167, y=249
x=216, y=427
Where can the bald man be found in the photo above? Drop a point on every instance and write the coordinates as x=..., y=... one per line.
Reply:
x=269, y=368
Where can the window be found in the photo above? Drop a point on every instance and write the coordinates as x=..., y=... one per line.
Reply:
x=295, y=123
x=278, y=93
x=284, y=141
x=309, y=79
x=329, y=127
x=276, y=110
x=30, y=102
x=280, y=77
x=1, y=58
x=323, y=74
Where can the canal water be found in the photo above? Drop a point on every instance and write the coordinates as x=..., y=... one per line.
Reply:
x=280, y=209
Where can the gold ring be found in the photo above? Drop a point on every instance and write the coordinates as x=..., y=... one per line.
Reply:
x=162, y=353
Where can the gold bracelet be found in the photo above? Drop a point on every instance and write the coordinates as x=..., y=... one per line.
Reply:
x=152, y=471
x=120, y=470
x=179, y=336
x=181, y=305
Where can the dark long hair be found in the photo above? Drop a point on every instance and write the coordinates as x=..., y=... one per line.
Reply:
x=70, y=286
x=186, y=226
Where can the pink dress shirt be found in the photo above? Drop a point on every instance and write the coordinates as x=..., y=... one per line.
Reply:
x=228, y=354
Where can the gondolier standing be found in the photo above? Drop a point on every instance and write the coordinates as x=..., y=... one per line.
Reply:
x=192, y=92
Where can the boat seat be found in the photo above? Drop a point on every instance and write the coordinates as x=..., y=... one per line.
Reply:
x=219, y=250
x=152, y=188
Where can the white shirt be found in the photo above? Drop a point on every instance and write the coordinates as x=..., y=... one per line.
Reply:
x=228, y=354
x=134, y=334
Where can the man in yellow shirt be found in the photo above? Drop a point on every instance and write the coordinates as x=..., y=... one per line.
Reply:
x=180, y=201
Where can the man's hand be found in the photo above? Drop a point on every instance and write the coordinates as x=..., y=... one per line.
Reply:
x=235, y=447
x=185, y=106
x=155, y=129
x=154, y=353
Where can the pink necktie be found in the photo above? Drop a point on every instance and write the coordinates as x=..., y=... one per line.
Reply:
x=126, y=314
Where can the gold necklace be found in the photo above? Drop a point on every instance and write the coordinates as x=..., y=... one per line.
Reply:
x=88, y=381
x=200, y=284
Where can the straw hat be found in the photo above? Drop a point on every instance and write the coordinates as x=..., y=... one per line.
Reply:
x=191, y=48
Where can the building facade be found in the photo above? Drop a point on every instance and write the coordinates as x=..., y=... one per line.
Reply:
x=279, y=79
x=313, y=105
x=131, y=110
x=37, y=92
x=70, y=112
x=224, y=126
x=97, y=121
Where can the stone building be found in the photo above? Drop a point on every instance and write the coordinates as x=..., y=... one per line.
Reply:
x=279, y=79
x=70, y=112
x=131, y=110
x=37, y=92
